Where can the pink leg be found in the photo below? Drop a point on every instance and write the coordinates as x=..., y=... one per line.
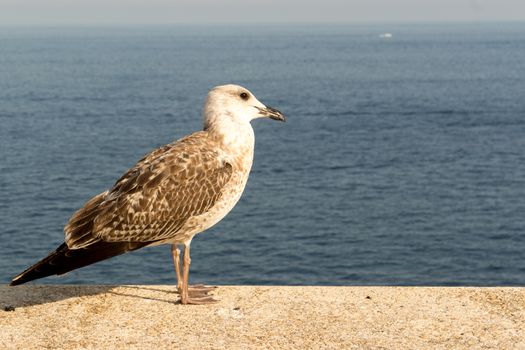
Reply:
x=199, y=294
x=175, y=252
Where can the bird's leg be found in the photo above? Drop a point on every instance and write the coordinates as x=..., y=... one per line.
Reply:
x=186, y=261
x=175, y=252
x=198, y=294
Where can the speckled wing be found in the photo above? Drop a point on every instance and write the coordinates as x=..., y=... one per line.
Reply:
x=155, y=198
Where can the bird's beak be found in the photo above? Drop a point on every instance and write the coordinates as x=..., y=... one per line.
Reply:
x=271, y=113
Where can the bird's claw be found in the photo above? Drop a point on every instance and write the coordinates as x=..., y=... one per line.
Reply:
x=204, y=300
x=198, y=294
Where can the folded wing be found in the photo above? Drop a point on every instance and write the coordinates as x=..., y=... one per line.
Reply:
x=155, y=198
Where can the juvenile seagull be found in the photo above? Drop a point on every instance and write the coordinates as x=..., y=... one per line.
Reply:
x=169, y=196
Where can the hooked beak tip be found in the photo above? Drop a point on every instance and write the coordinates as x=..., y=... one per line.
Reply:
x=272, y=113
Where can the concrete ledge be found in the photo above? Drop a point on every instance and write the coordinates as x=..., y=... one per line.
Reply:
x=141, y=317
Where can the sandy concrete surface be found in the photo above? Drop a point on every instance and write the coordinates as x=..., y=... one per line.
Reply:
x=249, y=317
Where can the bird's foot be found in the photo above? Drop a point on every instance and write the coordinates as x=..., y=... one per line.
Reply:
x=198, y=294
x=197, y=289
x=204, y=300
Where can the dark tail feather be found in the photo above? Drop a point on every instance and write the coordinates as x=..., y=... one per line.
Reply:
x=63, y=259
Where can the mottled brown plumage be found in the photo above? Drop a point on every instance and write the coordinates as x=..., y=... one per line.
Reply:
x=154, y=199
x=170, y=195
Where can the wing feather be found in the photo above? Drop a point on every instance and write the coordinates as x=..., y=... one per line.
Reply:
x=153, y=200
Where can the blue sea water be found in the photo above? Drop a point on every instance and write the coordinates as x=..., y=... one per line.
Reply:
x=402, y=162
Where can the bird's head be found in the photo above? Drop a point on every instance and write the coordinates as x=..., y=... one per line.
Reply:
x=237, y=104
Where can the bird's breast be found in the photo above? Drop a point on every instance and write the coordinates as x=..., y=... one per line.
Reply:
x=241, y=162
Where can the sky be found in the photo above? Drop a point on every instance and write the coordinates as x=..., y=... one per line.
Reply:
x=129, y=12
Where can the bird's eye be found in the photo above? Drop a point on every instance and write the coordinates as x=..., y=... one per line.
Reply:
x=244, y=95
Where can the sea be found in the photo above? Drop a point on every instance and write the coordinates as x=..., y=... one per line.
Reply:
x=402, y=161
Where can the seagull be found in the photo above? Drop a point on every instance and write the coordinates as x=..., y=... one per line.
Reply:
x=170, y=195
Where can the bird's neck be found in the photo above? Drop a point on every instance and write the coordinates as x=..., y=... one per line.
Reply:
x=236, y=136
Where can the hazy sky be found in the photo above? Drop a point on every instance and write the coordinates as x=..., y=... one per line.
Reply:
x=85, y=12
